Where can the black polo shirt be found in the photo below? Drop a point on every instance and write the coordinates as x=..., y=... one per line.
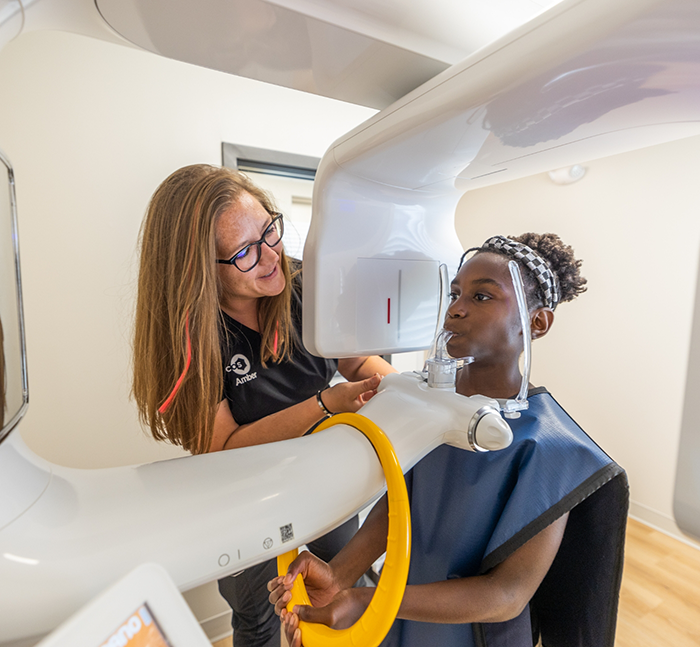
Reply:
x=254, y=392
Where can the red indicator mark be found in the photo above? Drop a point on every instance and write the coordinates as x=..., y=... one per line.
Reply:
x=388, y=311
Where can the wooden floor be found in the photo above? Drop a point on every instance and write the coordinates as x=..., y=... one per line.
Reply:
x=660, y=597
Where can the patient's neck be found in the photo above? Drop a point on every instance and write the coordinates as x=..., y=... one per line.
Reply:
x=491, y=381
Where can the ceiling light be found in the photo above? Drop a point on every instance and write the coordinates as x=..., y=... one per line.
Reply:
x=567, y=175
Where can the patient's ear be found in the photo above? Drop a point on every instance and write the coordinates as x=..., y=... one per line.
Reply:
x=541, y=321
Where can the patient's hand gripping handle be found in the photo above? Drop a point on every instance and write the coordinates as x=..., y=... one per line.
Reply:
x=376, y=621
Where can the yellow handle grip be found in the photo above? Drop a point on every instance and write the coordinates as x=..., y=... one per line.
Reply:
x=377, y=619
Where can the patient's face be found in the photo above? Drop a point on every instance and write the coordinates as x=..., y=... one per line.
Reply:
x=483, y=313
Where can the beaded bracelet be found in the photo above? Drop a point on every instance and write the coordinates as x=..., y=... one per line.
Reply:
x=320, y=404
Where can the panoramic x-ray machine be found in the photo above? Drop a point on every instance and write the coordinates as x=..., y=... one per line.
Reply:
x=585, y=79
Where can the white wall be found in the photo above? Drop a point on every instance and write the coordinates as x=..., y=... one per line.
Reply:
x=617, y=357
x=91, y=129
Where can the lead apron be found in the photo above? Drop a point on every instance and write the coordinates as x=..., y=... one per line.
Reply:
x=470, y=511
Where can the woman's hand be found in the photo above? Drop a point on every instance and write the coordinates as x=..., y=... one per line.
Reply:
x=350, y=396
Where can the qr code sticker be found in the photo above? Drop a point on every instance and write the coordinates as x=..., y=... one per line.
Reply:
x=287, y=533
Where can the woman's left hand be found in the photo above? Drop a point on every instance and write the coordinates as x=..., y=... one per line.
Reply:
x=350, y=396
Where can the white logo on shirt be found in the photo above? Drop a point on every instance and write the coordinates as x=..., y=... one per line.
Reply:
x=240, y=365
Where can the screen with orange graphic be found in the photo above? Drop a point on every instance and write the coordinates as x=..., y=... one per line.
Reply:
x=138, y=630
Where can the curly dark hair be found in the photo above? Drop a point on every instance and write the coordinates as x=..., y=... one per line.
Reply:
x=560, y=258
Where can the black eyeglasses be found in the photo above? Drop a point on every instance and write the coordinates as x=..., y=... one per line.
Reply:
x=248, y=257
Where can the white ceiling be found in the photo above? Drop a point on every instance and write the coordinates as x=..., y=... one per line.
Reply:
x=448, y=30
x=363, y=51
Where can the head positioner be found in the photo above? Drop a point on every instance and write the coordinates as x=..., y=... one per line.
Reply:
x=539, y=266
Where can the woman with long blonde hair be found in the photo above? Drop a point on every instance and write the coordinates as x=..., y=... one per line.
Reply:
x=218, y=357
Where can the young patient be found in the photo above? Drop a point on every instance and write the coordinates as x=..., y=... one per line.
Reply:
x=507, y=547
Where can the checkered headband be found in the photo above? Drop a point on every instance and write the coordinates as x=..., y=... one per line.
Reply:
x=537, y=265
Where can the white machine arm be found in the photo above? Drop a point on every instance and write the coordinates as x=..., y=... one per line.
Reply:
x=207, y=516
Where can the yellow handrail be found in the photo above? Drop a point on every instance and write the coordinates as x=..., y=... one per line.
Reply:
x=377, y=619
